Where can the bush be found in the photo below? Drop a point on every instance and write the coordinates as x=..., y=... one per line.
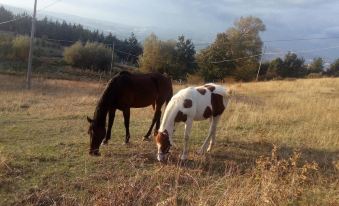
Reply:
x=246, y=72
x=93, y=56
x=5, y=45
x=314, y=75
x=20, y=48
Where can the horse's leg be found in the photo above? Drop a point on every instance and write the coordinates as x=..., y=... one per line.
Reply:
x=126, y=113
x=188, y=127
x=207, y=140
x=215, y=121
x=111, y=115
x=156, y=117
x=157, y=124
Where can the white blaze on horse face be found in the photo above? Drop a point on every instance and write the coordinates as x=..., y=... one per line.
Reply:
x=159, y=146
x=160, y=156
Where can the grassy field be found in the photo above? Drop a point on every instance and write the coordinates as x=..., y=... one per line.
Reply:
x=277, y=144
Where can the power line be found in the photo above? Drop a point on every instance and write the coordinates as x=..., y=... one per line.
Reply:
x=276, y=40
x=313, y=50
x=301, y=39
x=60, y=40
x=49, y=5
x=69, y=41
x=22, y=17
x=273, y=53
x=126, y=53
x=230, y=60
x=5, y=22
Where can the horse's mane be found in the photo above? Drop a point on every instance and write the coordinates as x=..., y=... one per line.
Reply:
x=102, y=105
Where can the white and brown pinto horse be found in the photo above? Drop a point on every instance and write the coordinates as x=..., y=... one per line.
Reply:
x=188, y=105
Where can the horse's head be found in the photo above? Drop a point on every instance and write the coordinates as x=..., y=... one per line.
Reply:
x=96, y=134
x=164, y=145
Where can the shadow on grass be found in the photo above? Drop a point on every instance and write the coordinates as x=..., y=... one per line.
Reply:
x=239, y=157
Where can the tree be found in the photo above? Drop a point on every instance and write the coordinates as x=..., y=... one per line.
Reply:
x=264, y=69
x=133, y=49
x=273, y=68
x=316, y=66
x=246, y=42
x=334, y=69
x=158, y=56
x=211, y=60
x=149, y=61
x=5, y=15
x=185, y=57
x=292, y=66
x=238, y=42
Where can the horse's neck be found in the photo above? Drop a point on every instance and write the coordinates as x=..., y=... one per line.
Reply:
x=168, y=121
x=102, y=108
x=100, y=116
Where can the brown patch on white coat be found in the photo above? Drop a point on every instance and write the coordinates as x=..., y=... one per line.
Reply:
x=217, y=102
x=187, y=103
x=210, y=87
x=201, y=90
x=207, y=112
x=181, y=117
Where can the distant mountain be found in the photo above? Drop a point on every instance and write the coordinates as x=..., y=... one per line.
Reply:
x=120, y=30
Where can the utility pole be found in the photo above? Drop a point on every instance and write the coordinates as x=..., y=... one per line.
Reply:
x=261, y=57
x=112, y=60
x=30, y=56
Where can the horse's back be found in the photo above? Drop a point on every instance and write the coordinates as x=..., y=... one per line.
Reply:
x=141, y=90
x=202, y=102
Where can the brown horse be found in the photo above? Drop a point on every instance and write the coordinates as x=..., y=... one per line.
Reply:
x=125, y=91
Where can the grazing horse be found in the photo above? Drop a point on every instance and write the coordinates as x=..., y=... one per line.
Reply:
x=193, y=103
x=125, y=91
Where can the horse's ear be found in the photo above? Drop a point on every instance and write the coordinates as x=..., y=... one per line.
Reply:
x=89, y=120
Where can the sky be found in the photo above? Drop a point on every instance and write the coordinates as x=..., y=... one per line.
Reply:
x=201, y=20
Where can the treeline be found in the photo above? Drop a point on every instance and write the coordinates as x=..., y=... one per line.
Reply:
x=69, y=33
x=234, y=53
x=292, y=66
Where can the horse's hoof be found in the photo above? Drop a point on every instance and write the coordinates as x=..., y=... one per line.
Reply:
x=95, y=154
x=105, y=143
x=127, y=143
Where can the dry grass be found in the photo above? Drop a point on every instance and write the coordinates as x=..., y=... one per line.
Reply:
x=277, y=144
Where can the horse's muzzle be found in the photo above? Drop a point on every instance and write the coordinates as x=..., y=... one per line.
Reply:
x=161, y=157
